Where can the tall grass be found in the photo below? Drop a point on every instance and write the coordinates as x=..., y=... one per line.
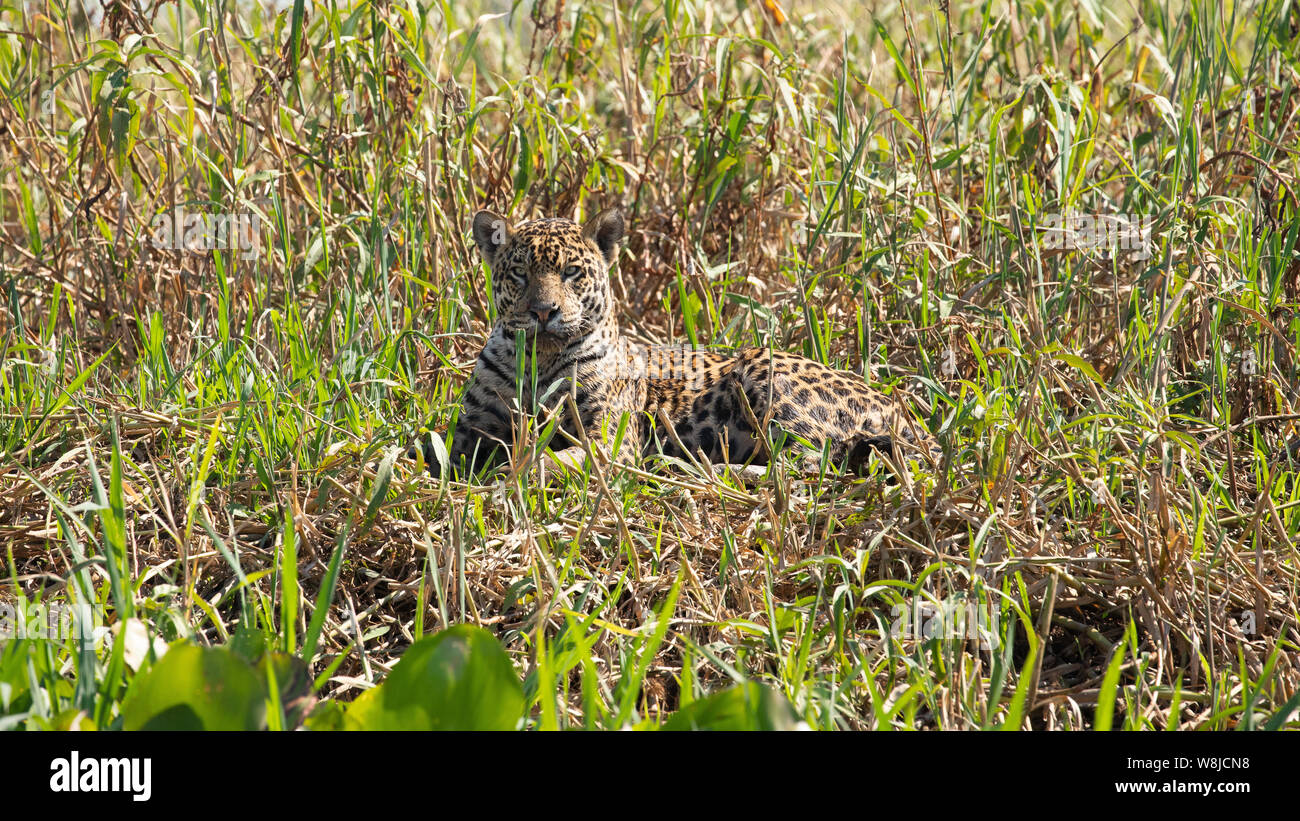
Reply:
x=205, y=442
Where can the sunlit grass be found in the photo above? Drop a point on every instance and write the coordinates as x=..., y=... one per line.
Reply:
x=209, y=441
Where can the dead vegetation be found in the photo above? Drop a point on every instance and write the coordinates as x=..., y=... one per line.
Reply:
x=1118, y=492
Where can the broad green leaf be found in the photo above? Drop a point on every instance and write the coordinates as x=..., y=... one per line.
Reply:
x=197, y=688
x=748, y=706
x=328, y=715
x=460, y=679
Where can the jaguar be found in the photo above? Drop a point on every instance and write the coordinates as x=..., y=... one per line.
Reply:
x=556, y=349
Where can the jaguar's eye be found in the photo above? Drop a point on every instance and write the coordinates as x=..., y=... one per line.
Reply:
x=519, y=273
x=571, y=272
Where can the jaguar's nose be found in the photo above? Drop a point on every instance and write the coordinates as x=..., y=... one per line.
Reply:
x=543, y=311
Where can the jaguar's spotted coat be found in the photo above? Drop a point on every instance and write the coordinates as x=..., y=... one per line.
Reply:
x=549, y=281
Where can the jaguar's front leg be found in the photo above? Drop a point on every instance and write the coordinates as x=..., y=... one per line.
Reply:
x=484, y=429
x=599, y=443
x=572, y=458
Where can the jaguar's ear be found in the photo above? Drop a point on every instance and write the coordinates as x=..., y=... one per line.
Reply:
x=490, y=233
x=605, y=229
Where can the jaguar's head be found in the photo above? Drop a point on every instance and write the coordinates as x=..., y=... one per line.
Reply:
x=550, y=277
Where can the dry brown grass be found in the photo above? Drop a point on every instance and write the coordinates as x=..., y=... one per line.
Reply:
x=251, y=395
